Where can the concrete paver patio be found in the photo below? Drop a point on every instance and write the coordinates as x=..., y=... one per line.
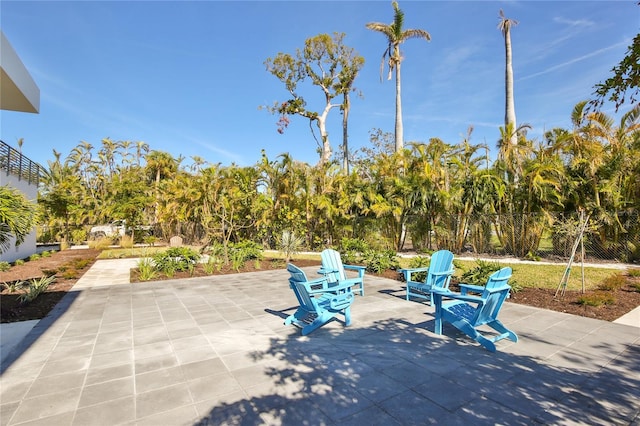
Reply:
x=215, y=351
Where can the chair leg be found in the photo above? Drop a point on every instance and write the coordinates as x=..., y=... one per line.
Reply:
x=504, y=331
x=347, y=316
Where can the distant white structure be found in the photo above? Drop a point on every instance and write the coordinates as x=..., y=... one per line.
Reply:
x=18, y=92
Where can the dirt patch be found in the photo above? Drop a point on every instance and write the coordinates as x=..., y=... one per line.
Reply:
x=67, y=266
x=64, y=263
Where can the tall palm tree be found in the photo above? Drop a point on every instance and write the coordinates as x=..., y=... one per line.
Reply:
x=396, y=35
x=510, y=110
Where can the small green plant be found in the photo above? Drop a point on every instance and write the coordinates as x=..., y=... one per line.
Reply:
x=18, y=262
x=100, y=244
x=126, y=241
x=634, y=272
x=147, y=269
x=150, y=240
x=597, y=299
x=210, y=265
x=49, y=272
x=237, y=260
x=80, y=263
x=45, y=254
x=35, y=287
x=278, y=263
x=34, y=256
x=13, y=286
x=636, y=287
x=4, y=266
x=290, y=244
x=613, y=282
x=257, y=264
x=69, y=274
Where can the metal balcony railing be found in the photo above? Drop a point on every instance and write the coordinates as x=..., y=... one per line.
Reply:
x=12, y=162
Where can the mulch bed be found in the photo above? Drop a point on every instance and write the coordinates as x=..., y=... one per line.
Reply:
x=625, y=299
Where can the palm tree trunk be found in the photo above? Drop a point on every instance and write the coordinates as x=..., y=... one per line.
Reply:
x=510, y=109
x=399, y=128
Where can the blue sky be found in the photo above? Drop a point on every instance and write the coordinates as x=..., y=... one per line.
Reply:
x=189, y=77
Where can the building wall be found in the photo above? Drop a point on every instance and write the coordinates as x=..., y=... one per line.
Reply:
x=28, y=247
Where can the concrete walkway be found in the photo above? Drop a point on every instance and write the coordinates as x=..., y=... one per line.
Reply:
x=215, y=351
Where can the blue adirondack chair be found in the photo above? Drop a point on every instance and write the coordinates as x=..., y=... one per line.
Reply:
x=439, y=274
x=467, y=313
x=319, y=301
x=335, y=271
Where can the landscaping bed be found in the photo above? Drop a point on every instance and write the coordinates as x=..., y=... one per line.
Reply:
x=622, y=300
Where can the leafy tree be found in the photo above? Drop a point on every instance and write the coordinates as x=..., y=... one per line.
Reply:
x=328, y=64
x=17, y=217
x=396, y=35
x=625, y=80
x=510, y=110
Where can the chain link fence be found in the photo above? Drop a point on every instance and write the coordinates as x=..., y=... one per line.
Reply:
x=608, y=237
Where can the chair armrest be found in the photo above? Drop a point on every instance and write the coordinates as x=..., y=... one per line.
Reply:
x=342, y=285
x=409, y=271
x=450, y=295
x=449, y=272
x=358, y=268
x=325, y=271
x=464, y=288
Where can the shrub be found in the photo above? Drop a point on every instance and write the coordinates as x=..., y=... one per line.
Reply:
x=45, y=254
x=175, y=259
x=597, y=299
x=613, y=282
x=150, y=240
x=636, y=287
x=249, y=250
x=480, y=274
x=18, y=262
x=352, y=250
x=78, y=236
x=4, y=266
x=379, y=261
x=34, y=256
x=419, y=262
x=35, y=287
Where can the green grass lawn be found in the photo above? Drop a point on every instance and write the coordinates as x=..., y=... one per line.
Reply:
x=547, y=276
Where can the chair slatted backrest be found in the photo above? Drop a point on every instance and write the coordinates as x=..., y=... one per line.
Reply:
x=495, y=292
x=297, y=281
x=331, y=261
x=441, y=261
